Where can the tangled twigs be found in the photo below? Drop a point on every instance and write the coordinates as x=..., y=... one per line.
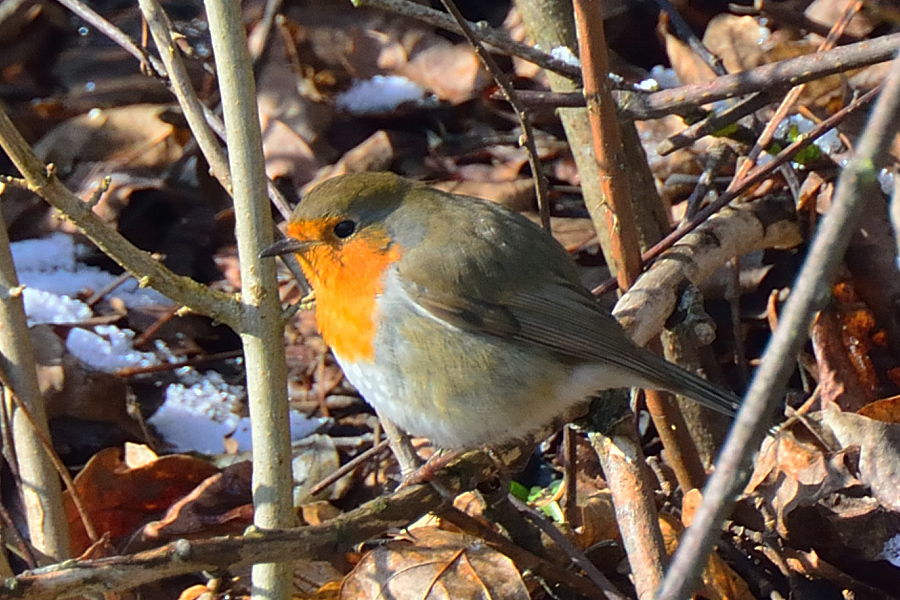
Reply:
x=776, y=76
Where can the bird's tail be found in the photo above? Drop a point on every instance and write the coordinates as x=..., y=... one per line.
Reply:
x=662, y=374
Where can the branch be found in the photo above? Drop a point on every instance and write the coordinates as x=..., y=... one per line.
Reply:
x=262, y=331
x=767, y=78
x=341, y=534
x=149, y=272
x=857, y=185
x=769, y=223
x=497, y=39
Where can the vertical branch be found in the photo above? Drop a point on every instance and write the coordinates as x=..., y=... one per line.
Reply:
x=550, y=25
x=607, y=142
x=619, y=451
x=262, y=332
x=41, y=491
x=640, y=529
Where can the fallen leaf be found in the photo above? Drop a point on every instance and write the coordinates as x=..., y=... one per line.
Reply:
x=720, y=582
x=879, y=451
x=790, y=473
x=220, y=505
x=118, y=499
x=434, y=564
x=736, y=41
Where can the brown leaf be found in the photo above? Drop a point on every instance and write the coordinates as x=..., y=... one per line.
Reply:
x=220, y=505
x=790, y=473
x=689, y=67
x=879, y=451
x=515, y=195
x=827, y=12
x=886, y=410
x=134, y=136
x=597, y=517
x=839, y=381
x=452, y=72
x=70, y=389
x=736, y=41
x=434, y=564
x=719, y=581
x=119, y=498
x=375, y=153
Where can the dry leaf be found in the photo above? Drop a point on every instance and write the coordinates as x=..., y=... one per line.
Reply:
x=790, y=473
x=118, y=498
x=736, y=41
x=886, y=410
x=719, y=581
x=827, y=12
x=839, y=381
x=129, y=136
x=220, y=505
x=879, y=451
x=434, y=564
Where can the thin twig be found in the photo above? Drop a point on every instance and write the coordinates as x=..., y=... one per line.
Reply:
x=713, y=123
x=756, y=176
x=349, y=467
x=791, y=98
x=260, y=36
x=574, y=554
x=771, y=78
x=496, y=38
x=715, y=160
x=527, y=139
x=47, y=445
x=94, y=19
x=686, y=34
x=856, y=186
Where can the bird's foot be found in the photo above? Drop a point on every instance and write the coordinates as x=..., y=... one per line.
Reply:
x=427, y=472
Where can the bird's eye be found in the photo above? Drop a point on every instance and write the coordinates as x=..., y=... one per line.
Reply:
x=344, y=229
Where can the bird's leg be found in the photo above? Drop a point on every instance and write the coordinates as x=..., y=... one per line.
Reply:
x=401, y=446
x=427, y=472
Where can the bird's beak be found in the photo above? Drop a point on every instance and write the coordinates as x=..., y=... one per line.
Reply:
x=286, y=246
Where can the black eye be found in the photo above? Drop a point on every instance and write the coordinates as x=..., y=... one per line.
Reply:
x=344, y=229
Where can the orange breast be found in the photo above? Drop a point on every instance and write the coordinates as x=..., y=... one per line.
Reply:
x=347, y=277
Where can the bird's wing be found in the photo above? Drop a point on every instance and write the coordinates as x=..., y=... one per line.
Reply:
x=556, y=316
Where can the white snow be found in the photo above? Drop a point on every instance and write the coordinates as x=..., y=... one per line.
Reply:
x=107, y=348
x=46, y=307
x=382, y=93
x=665, y=77
x=891, y=550
x=886, y=181
x=199, y=412
x=51, y=275
x=564, y=54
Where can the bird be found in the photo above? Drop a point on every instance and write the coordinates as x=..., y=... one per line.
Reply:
x=459, y=320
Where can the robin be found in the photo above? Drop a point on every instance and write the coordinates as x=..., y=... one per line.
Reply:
x=459, y=320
